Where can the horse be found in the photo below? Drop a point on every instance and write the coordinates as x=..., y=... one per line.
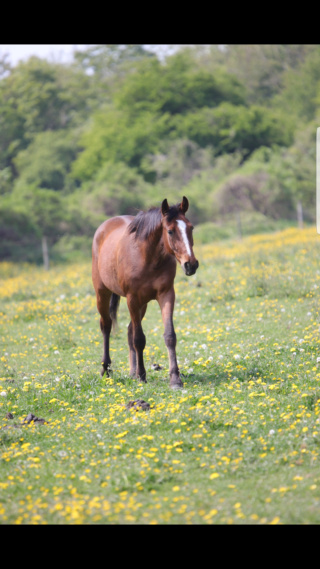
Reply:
x=136, y=257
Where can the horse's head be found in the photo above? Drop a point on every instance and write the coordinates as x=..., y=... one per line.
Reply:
x=177, y=235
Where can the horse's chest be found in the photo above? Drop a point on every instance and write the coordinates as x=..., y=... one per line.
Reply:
x=146, y=282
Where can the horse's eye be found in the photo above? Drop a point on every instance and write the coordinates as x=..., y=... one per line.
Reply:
x=170, y=231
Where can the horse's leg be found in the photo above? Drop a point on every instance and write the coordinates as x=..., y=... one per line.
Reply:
x=166, y=302
x=136, y=338
x=132, y=351
x=103, y=300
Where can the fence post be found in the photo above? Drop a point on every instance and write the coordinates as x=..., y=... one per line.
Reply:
x=239, y=227
x=300, y=214
x=45, y=253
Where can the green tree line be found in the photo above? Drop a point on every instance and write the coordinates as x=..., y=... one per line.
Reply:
x=117, y=130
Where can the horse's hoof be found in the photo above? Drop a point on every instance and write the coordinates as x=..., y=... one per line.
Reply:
x=176, y=385
x=106, y=372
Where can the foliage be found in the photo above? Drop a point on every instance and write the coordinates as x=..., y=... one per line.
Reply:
x=38, y=96
x=47, y=160
x=229, y=128
x=301, y=88
x=232, y=127
x=176, y=87
x=18, y=235
x=115, y=188
x=106, y=60
x=114, y=137
x=262, y=68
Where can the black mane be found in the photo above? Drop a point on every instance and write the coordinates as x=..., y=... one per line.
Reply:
x=147, y=222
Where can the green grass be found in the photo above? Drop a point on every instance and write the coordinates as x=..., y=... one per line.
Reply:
x=239, y=443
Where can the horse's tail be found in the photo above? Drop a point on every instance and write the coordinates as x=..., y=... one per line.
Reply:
x=113, y=309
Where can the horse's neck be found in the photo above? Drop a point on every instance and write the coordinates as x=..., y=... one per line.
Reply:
x=154, y=249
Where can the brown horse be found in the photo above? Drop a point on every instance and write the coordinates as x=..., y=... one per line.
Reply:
x=135, y=257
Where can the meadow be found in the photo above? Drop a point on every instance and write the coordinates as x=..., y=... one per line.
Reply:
x=238, y=444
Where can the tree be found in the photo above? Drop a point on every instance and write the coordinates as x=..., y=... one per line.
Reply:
x=231, y=128
x=47, y=160
x=301, y=88
x=38, y=96
x=115, y=137
x=176, y=87
x=44, y=208
x=105, y=60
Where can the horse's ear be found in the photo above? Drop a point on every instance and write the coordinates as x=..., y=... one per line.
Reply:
x=164, y=207
x=184, y=205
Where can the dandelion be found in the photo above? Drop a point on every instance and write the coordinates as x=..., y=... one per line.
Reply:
x=214, y=475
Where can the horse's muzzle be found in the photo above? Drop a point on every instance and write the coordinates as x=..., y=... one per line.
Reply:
x=190, y=269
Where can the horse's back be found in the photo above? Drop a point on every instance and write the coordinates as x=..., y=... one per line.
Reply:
x=105, y=249
x=115, y=226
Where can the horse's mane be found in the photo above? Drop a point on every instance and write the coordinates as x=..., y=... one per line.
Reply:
x=147, y=222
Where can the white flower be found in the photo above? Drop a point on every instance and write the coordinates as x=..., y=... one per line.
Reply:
x=3, y=394
x=236, y=357
x=271, y=432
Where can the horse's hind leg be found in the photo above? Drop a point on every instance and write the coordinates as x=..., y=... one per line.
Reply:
x=136, y=338
x=132, y=351
x=103, y=300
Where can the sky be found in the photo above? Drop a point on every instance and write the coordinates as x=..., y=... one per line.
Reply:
x=61, y=53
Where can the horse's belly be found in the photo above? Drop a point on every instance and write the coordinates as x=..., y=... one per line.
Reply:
x=108, y=270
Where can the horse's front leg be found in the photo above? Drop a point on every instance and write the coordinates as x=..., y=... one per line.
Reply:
x=166, y=302
x=136, y=338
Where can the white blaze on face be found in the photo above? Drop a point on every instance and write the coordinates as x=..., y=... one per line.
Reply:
x=183, y=228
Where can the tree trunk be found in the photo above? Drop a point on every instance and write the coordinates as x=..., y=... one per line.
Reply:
x=239, y=227
x=300, y=215
x=45, y=253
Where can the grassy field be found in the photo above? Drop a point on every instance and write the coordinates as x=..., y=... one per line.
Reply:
x=238, y=444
